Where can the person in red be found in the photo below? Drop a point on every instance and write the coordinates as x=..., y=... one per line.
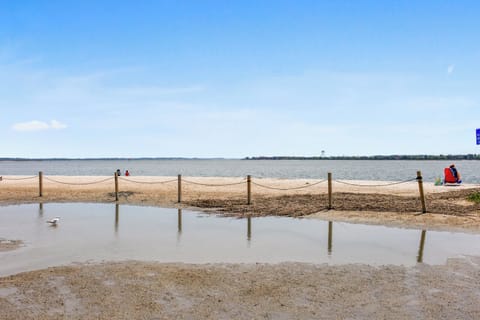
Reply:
x=127, y=173
x=455, y=173
x=452, y=175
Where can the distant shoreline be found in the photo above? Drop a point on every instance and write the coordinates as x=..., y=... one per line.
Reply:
x=375, y=157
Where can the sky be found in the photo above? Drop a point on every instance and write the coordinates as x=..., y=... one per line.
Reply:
x=83, y=79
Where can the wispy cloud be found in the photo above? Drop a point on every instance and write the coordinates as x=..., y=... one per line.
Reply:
x=158, y=91
x=36, y=125
x=450, y=69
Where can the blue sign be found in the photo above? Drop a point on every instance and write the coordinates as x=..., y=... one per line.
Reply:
x=478, y=136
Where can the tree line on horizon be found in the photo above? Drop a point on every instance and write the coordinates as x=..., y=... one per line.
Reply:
x=375, y=157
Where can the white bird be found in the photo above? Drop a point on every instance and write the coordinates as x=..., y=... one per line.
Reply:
x=54, y=221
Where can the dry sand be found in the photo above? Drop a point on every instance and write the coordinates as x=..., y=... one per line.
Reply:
x=143, y=290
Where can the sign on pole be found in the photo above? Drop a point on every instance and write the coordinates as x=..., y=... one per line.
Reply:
x=478, y=136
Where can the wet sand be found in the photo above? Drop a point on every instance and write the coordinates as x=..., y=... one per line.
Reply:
x=143, y=290
x=140, y=290
x=9, y=245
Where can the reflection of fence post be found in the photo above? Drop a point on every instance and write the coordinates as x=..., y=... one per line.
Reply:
x=179, y=221
x=116, y=186
x=117, y=216
x=179, y=188
x=330, y=235
x=40, y=184
x=329, y=190
x=420, y=248
x=420, y=188
x=249, y=189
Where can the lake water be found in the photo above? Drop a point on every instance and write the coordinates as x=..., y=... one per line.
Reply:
x=109, y=232
x=387, y=170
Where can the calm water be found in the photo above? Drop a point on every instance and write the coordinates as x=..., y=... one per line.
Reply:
x=108, y=232
x=316, y=169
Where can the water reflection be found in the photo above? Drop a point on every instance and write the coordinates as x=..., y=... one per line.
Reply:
x=151, y=233
x=419, y=257
x=179, y=225
x=330, y=235
x=117, y=217
x=179, y=221
x=420, y=248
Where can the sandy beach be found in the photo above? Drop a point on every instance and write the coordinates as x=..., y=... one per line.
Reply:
x=380, y=202
x=146, y=290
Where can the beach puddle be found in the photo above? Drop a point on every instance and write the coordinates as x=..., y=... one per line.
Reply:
x=110, y=232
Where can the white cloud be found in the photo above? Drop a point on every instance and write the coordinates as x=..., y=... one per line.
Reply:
x=450, y=69
x=36, y=125
x=54, y=124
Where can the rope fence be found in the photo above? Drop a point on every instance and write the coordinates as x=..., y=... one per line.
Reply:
x=248, y=180
x=375, y=185
x=214, y=184
x=77, y=183
x=291, y=188
x=17, y=179
x=146, y=182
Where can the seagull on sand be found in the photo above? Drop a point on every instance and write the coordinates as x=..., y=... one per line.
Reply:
x=54, y=221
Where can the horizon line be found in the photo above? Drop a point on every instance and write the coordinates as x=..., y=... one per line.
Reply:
x=392, y=156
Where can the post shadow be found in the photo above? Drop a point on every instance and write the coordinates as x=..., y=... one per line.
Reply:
x=330, y=236
x=420, y=248
x=249, y=228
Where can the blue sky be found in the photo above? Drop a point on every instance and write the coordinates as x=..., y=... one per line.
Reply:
x=238, y=78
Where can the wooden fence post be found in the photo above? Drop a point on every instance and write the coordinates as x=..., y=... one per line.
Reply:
x=116, y=186
x=329, y=190
x=420, y=188
x=40, y=184
x=179, y=188
x=249, y=189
